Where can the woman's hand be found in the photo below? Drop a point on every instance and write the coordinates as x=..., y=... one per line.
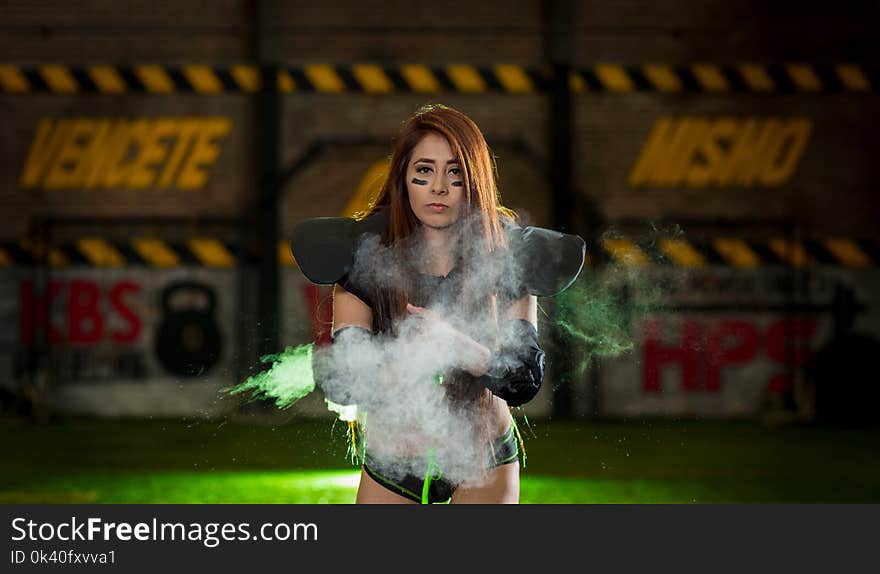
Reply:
x=435, y=324
x=473, y=356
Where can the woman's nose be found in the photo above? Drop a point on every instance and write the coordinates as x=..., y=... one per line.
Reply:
x=440, y=186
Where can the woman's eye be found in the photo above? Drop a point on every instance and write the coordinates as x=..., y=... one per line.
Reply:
x=455, y=171
x=423, y=169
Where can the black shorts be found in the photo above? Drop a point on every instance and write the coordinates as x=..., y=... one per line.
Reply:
x=504, y=449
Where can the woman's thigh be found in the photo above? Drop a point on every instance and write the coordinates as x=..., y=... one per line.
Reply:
x=501, y=488
x=371, y=492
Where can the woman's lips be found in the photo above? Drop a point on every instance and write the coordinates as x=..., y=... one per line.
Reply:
x=438, y=207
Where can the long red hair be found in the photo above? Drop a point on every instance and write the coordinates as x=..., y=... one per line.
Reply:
x=482, y=206
x=481, y=235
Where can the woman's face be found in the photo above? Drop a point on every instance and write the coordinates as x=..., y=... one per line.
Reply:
x=434, y=182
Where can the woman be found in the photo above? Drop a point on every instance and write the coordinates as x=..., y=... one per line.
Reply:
x=436, y=278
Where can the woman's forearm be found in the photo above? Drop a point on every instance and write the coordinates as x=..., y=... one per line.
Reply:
x=470, y=355
x=475, y=357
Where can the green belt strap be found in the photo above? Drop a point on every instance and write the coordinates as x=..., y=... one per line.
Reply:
x=429, y=476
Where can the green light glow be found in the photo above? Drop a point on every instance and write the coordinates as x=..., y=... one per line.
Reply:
x=340, y=487
x=82, y=461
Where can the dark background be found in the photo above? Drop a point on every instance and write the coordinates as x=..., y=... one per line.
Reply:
x=744, y=307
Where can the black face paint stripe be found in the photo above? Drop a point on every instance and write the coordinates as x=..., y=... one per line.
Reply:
x=457, y=184
x=420, y=181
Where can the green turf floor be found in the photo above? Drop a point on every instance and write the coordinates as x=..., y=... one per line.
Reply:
x=303, y=461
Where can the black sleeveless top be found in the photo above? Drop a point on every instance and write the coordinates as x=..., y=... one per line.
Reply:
x=492, y=274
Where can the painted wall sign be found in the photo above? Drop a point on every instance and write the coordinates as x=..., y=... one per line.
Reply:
x=139, y=153
x=726, y=151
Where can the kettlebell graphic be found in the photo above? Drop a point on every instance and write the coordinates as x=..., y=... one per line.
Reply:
x=188, y=341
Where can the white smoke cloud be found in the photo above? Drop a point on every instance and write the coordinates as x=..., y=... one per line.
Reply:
x=394, y=380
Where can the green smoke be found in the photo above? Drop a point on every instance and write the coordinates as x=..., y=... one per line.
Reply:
x=596, y=317
x=289, y=379
x=597, y=312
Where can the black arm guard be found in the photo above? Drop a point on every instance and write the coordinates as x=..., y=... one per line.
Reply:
x=517, y=370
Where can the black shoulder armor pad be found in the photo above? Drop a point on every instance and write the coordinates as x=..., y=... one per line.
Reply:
x=549, y=261
x=324, y=246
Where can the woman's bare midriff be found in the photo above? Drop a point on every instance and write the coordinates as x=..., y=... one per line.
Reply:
x=418, y=440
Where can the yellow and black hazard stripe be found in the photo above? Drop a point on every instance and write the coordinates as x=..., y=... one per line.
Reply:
x=147, y=78
x=733, y=78
x=378, y=79
x=742, y=253
x=149, y=252
x=374, y=78
x=674, y=251
x=323, y=78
